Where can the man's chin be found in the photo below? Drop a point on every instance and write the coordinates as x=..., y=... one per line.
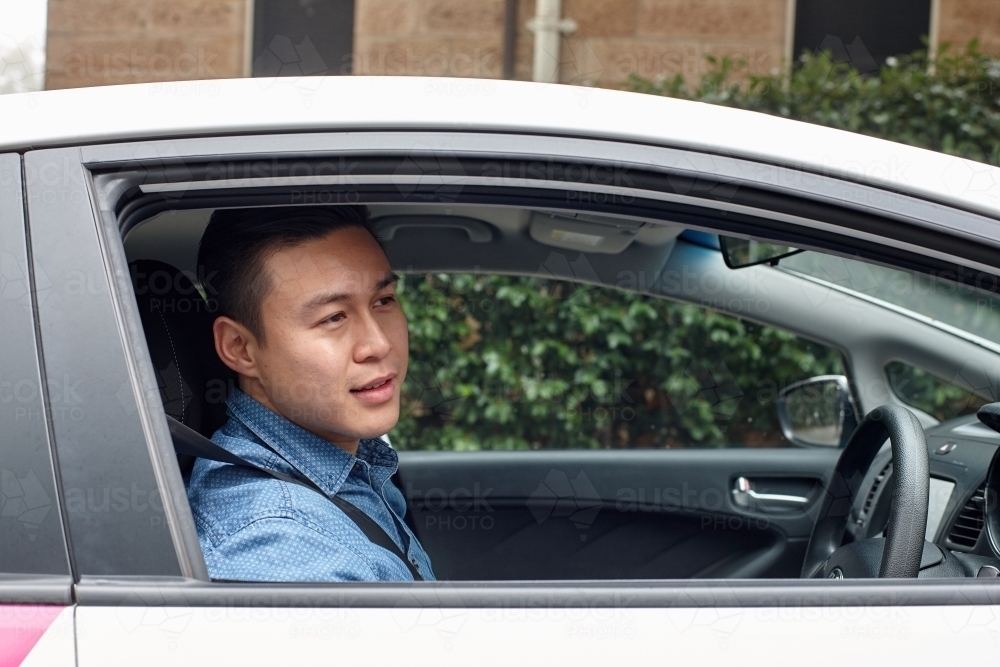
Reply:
x=370, y=429
x=378, y=432
x=343, y=425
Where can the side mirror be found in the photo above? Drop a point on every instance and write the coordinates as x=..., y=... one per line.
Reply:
x=818, y=412
x=740, y=253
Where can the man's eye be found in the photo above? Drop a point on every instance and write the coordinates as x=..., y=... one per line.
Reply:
x=385, y=300
x=336, y=318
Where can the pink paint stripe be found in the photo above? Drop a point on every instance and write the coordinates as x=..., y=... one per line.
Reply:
x=21, y=626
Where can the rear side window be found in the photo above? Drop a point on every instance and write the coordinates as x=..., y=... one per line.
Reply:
x=502, y=362
x=939, y=398
x=31, y=531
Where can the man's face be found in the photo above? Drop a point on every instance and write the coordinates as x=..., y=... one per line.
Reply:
x=336, y=344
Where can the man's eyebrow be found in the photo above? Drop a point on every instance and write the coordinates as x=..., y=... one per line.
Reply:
x=333, y=297
x=386, y=281
x=324, y=299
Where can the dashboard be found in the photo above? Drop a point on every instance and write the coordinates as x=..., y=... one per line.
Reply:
x=959, y=455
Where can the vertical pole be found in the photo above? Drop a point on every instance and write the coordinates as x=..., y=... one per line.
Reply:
x=789, y=50
x=509, y=38
x=934, y=38
x=548, y=28
x=249, y=7
x=546, y=65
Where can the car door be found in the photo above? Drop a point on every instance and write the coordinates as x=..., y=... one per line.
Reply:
x=142, y=592
x=661, y=496
x=36, y=607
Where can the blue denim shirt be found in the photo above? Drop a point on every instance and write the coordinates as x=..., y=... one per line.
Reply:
x=253, y=527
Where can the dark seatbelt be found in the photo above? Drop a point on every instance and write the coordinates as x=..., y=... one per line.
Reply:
x=190, y=442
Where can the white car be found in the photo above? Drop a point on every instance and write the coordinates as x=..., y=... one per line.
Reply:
x=819, y=544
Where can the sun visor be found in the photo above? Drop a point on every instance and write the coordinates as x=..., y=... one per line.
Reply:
x=583, y=233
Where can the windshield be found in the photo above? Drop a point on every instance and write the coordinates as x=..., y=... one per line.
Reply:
x=974, y=313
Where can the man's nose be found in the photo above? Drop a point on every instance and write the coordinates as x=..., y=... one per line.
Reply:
x=372, y=340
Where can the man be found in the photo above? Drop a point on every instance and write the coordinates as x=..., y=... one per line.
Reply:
x=311, y=325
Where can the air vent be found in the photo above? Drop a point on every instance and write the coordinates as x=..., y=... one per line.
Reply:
x=969, y=524
x=876, y=485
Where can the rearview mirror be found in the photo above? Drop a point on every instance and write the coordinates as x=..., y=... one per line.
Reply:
x=817, y=412
x=741, y=253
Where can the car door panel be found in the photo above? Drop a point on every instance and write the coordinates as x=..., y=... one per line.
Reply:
x=606, y=514
x=124, y=495
x=510, y=544
x=159, y=623
x=36, y=616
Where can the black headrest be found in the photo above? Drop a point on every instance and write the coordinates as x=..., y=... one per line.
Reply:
x=177, y=321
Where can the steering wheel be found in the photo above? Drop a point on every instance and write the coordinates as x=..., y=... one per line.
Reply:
x=898, y=554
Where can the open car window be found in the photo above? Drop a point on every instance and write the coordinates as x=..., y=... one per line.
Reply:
x=583, y=336
x=511, y=362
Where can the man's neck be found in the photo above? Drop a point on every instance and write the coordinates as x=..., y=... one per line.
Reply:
x=255, y=391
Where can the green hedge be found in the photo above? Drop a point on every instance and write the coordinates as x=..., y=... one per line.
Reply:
x=501, y=362
x=949, y=103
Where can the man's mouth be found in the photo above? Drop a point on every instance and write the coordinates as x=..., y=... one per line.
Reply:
x=378, y=390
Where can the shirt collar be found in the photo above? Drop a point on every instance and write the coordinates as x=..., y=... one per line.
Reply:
x=322, y=462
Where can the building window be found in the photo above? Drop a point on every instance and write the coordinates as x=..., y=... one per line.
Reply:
x=303, y=38
x=861, y=32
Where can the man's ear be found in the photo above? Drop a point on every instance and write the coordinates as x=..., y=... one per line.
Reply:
x=236, y=346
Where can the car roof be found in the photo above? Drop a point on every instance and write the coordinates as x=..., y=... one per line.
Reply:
x=295, y=104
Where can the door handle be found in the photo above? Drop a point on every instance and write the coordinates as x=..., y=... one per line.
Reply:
x=745, y=496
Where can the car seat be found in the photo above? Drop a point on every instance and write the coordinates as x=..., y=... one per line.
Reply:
x=177, y=320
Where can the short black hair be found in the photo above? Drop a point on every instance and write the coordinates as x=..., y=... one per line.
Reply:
x=238, y=241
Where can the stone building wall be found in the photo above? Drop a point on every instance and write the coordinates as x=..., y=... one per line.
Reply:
x=101, y=42
x=429, y=37
x=667, y=37
x=961, y=20
x=613, y=38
